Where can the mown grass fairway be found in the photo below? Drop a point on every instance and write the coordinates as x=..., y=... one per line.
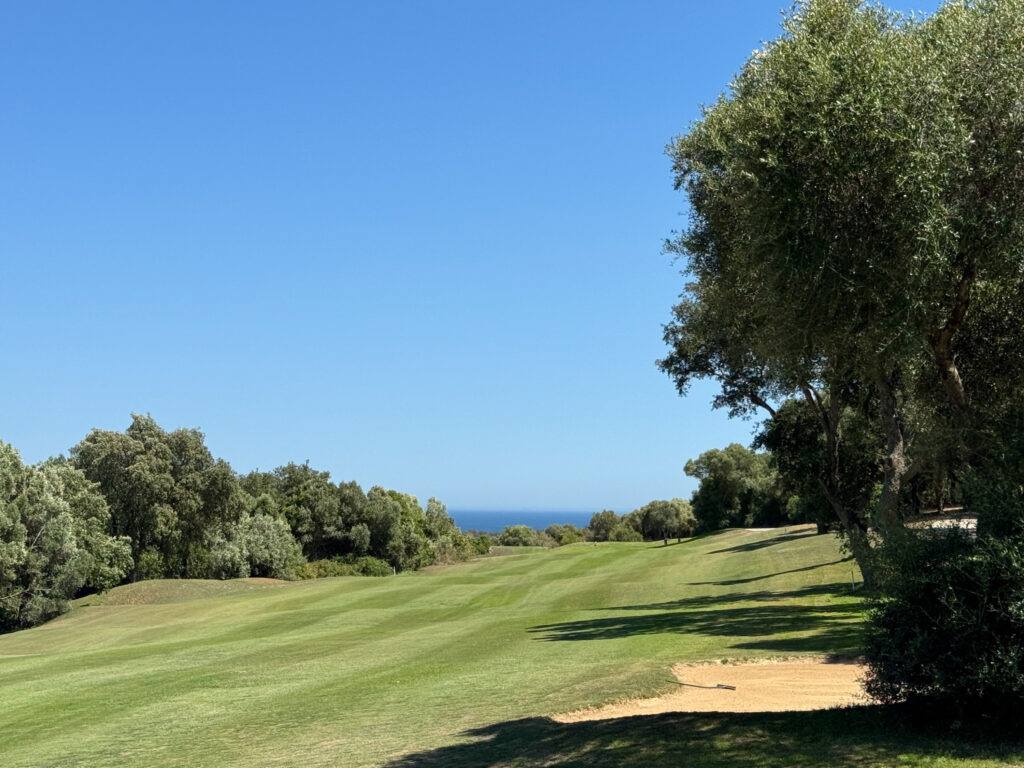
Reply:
x=454, y=666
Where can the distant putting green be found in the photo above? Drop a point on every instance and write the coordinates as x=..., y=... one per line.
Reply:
x=453, y=666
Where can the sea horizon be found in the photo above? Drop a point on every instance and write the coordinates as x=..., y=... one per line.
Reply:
x=494, y=521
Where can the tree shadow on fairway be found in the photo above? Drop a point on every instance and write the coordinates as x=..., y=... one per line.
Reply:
x=817, y=628
x=835, y=589
x=763, y=543
x=749, y=579
x=856, y=736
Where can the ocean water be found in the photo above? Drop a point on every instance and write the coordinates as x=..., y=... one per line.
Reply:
x=493, y=522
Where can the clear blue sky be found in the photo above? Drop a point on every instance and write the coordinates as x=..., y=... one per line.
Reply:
x=416, y=243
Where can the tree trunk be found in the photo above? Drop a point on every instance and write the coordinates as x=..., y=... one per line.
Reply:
x=941, y=340
x=852, y=524
x=895, y=465
x=856, y=538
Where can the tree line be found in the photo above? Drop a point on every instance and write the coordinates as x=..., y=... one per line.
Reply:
x=854, y=273
x=659, y=519
x=146, y=503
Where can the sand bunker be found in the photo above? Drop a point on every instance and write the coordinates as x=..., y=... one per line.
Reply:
x=763, y=686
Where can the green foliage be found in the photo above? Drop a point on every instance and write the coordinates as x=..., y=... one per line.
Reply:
x=798, y=451
x=53, y=540
x=525, y=536
x=319, y=513
x=625, y=532
x=665, y=519
x=565, y=534
x=517, y=536
x=152, y=504
x=268, y=547
x=994, y=488
x=446, y=541
x=437, y=522
x=165, y=491
x=602, y=524
x=339, y=521
x=948, y=629
x=372, y=566
x=358, y=539
x=847, y=181
x=344, y=566
x=738, y=488
x=481, y=543
x=857, y=208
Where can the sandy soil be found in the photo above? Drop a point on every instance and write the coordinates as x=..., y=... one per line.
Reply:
x=764, y=686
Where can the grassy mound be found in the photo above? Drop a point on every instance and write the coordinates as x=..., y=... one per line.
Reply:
x=162, y=591
x=457, y=666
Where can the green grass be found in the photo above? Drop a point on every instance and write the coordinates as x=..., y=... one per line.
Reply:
x=452, y=667
x=161, y=591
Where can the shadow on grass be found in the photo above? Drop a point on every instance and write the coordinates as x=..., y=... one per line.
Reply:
x=836, y=589
x=755, y=545
x=661, y=543
x=748, y=580
x=845, y=738
x=826, y=629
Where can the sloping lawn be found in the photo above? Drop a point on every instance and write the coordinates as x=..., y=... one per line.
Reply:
x=455, y=666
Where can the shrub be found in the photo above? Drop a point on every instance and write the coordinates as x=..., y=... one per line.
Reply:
x=225, y=560
x=372, y=566
x=481, y=544
x=948, y=630
x=516, y=536
x=625, y=532
x=150, y=565
x=565, y=534
x=321, y=569
x=338, y=566
x=269, y=548
x=602, y=524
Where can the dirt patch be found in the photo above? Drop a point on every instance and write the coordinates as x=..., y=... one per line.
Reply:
x=785, y=685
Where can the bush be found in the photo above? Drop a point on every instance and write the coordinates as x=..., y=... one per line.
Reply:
x=372, y=566
x=225, y=560
x=948, y=630
x=565, y=534
x=602, y=524
x=321, y=569
x=269, y=548
x=481, y=544
x=625, y=532
x=338, y=566
x=516, y=536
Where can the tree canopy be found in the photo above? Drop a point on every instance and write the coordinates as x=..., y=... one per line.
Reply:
x=54, y=540
x=853, y=197
x=738, y=487
x=147, y=503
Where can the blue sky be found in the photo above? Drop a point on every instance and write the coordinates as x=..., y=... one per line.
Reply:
x=416, y=243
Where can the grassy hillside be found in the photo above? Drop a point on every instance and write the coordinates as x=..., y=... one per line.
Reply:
x=455, y=666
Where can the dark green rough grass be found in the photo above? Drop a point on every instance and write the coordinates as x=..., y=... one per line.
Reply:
x=456, y=666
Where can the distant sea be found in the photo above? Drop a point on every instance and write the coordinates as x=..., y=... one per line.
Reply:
x=492, y=522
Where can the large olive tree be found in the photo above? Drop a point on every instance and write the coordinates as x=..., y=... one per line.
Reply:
x=852, y=196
